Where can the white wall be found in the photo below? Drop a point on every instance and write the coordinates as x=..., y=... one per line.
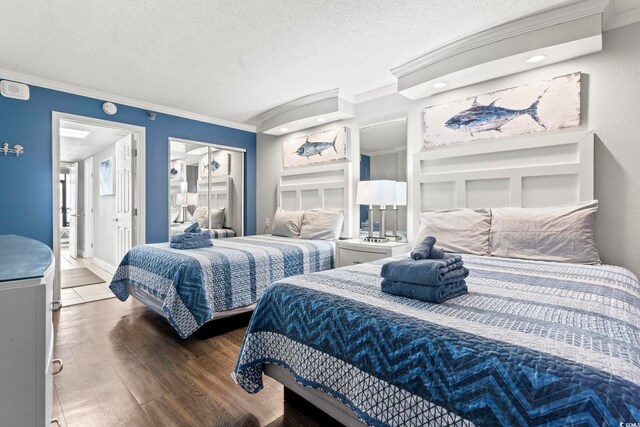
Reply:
x=610, y=107
x=269, y=164
x=104, y=208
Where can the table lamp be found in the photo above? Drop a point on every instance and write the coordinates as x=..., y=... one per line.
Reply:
x=378, y=192
x=401, y=200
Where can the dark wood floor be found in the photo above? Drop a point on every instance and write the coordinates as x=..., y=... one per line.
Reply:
x=125, y=366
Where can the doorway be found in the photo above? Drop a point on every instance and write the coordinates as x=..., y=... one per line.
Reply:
x=98, y=200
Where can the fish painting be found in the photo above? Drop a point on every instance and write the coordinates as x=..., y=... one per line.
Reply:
x=540, y=106
x=214, y=166
x=320, y=147
x=316, y=148
x=484, y=118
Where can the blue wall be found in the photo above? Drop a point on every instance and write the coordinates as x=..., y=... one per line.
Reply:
x=25, y=182
x=365, y=175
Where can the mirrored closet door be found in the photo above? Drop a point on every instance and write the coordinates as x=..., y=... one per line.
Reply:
x=206, y=185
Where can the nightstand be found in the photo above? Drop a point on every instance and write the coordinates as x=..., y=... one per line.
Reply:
x=357, y=251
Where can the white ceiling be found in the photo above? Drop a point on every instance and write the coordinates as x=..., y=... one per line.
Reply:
x=78, y=149
x=234, y=59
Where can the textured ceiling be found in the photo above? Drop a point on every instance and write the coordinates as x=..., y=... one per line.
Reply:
x=78, y=149
x=234, y=59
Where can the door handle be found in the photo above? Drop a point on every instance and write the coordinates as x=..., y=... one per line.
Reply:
x=115, y=220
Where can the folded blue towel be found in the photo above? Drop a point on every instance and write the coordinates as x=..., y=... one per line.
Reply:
x=193, y=228
x=192, y=244
x=423, y=250
x=433, y=294
x=187, y=237
x=430, y=272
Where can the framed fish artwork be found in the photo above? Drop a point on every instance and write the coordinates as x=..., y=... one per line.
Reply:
x=321, y=147
x=219, y=165
x=547, y=105
x=106, y=177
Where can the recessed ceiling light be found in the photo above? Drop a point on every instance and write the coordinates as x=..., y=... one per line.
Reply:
x=74, y=133
x=439, y=85
x=284, y=129
x=536, y=58
x=321, y=119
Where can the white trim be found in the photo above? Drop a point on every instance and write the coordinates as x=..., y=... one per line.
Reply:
x=302, y=101
x=612, y=21
x=376, y=93
x=104, y=265
x=139, y=188
x=89, y=214
x=546, y=18
x=96, y=94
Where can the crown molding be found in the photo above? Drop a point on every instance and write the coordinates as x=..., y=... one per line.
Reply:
x=618, y=20
x=564, y=13
x=117, y=99
x=376, y=93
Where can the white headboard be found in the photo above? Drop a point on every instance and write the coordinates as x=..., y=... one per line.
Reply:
x=325, y=186
x=535, y=171
x=219, y=191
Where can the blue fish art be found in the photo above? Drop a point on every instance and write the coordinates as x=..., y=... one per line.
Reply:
x=484, y=118
x=214, y=166
x=315, y=148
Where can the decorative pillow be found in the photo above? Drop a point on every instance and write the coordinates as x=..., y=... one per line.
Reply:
x=216, y=219
x=287, y=223
x=561, y=234
x=322, y=224
x=200, y=216
x=457, y=230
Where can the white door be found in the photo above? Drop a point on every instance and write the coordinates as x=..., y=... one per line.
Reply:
x=124, y=196
x=88, y=208
x=72, y=210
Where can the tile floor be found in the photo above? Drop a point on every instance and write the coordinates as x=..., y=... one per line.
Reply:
x=88, y=293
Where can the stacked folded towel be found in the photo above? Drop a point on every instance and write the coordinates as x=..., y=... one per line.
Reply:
x=425, y=278
x=192, y=238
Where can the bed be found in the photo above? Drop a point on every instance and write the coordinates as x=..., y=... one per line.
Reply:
x=216, y=233
x=532, y=343
x=192, y=287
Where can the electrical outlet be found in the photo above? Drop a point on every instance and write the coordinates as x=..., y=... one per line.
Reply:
x=266, y=222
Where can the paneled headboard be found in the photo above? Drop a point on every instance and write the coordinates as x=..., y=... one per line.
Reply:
x=535, y=171
x=219, y=191
x=325, y=186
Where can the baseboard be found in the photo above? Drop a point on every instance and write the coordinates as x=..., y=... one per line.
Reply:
x=104, y=265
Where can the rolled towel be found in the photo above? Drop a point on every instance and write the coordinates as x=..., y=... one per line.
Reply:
x=433, y=294
x=429, y=272
x=423, y=250
x=193, y=228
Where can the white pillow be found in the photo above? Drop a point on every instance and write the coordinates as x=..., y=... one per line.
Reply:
x=560, y=234
x=175, y=214
x=200, y=216
x=322, y=224
x=287, y=223
x=457, y=230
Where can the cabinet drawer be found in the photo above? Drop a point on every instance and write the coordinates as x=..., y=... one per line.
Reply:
x=351, y=257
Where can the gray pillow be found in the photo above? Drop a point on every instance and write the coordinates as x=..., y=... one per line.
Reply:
x=457, y=230
x=287, y=223
x=322, y=224
x=216, y=218
x=560, y=234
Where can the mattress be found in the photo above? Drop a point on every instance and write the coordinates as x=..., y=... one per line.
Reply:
x=532, y=343
x=197, y=284
x=216, y=233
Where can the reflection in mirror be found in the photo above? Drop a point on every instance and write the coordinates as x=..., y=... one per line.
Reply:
x=206, y=186
x=383, y=155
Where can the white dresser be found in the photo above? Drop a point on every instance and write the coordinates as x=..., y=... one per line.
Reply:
x=26, y=332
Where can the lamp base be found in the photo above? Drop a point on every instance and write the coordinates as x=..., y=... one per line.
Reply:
x=376, y=239
x=394, y=238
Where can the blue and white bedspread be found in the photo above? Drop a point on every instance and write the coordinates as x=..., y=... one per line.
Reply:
x=532, y=343
x=195, y=284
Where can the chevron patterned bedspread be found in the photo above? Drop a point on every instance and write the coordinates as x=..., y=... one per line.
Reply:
x=195, y=284
x=532, y=343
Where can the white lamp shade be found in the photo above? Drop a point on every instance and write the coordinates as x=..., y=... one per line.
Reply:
x=192, y=199
x=378, y=192
x=401, y=194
